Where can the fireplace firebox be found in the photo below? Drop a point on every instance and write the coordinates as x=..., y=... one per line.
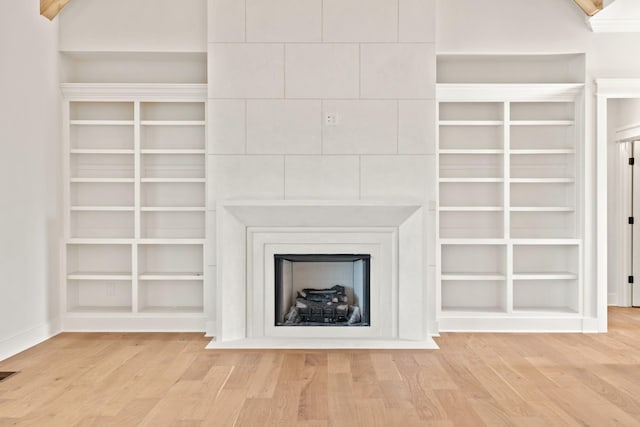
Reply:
x=322, y=289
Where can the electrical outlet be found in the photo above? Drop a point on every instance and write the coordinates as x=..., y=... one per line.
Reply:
x=330, y=119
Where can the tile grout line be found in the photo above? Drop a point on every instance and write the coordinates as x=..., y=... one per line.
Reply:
x=397, y=126
x=397, y=22
x=321, y=21
x=322, y=127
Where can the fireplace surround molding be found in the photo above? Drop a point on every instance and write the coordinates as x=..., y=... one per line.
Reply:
x=250, y=233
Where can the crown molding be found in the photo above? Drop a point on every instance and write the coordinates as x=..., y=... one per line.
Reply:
x=127, y=91
x=508, y=92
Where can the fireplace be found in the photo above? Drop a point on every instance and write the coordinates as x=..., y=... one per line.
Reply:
x=322, y=289
x=383, y=240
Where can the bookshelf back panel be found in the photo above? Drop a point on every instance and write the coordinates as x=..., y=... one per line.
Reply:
x=102, y=194
x=99, y=295
x=99, y=258
x=161, y=258
x=173, y=225
x=101, y=110
x=472, y=225
x=173, y=137
x=173, y=166
x=101, y=137
x=482, y=295
x=471, y=137
x=469, y=259
x=97, y=224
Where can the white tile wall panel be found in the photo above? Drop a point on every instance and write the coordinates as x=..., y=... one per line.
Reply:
x=416, y=127
x=284, y=126
x=364, y=127
x=227, y=130
x=360, y=21
x=246, y=177
x=398, y=71
x=238, y=70
x=284, y=20
x=396, y=177
x=321, y=71
x=417, y=20
x=322, y=177
x=226, y=21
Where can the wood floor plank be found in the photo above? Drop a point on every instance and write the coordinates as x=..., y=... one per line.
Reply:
x=119, y=379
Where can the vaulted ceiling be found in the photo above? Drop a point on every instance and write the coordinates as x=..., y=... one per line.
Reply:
x=50, y=8
x=590, y=7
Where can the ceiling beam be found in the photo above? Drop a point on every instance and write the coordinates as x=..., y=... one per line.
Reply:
x=50, y=8
x=590, y=7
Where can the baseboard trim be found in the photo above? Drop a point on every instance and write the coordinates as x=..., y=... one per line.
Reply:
x=210, y=329
x=92, y=323
x=504, y=324
x=22, y=341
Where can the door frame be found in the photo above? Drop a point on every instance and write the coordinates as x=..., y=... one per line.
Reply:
x=606, y=89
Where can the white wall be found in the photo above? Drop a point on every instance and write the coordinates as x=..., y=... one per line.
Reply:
x=523, y=26
x=134, y=26
x=30, y=192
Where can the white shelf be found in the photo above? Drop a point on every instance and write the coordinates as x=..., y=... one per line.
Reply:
x=98, y=241
x=101, y=151
x=544, y=310
x=174, y=180
x=471, y=180
x=173, y=209
x=172, y=151
x=542, y=151
x=99, y=276
x=171, y=241
x=541, y=209
x=170, y=276
x=545, y=276
x=103, y=180
x=100, y=309
x=172, y=122
x=468, y=241
x=171, y=310
x=542, y=180
x=471, y=209
x=101, y=208
x=102, y=122
x=541, y=122
x=466, y=311
x=470, y=151
x=472, y=276
x=546, y=241
x=470, y=122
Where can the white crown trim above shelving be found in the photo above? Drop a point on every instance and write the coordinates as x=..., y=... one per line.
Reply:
x=128, y=91
x=561, y=92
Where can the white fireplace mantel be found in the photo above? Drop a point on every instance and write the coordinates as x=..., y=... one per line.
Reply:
x=245, y=228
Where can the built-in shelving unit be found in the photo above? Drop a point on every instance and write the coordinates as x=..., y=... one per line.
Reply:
x=136, y=203
x=509, y=206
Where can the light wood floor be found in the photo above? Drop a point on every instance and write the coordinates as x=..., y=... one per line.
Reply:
x=475, y=379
